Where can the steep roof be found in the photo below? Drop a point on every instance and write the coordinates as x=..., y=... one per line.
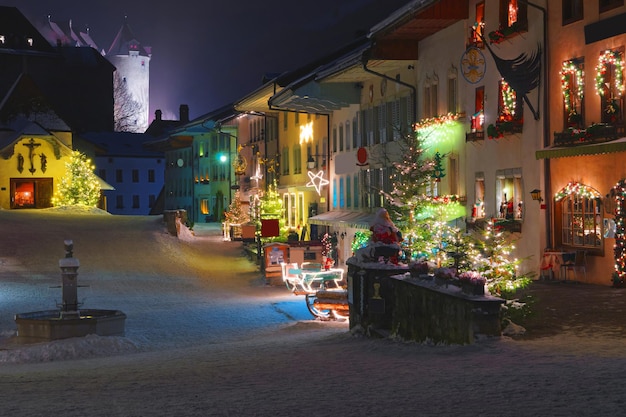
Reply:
x=20, y=36
x=126, y=41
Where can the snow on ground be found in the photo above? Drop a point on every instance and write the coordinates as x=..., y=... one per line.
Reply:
x=206, y=337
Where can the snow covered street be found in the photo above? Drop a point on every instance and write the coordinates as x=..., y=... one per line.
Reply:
x=206, y=337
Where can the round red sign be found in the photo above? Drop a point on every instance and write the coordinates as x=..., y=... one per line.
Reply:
x=361, y=156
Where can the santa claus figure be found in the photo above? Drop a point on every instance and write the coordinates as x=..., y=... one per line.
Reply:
x=383, y=230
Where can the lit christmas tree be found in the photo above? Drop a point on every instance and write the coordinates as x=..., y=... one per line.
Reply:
x=492, y=259
x=236, y=214
x=79, y=185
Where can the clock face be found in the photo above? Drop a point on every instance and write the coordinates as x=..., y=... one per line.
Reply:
x=180, y=162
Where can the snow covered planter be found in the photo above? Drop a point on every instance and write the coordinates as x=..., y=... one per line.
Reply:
x=472, y=283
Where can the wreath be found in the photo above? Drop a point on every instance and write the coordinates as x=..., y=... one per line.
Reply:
x=614, y=58
x=571, y=72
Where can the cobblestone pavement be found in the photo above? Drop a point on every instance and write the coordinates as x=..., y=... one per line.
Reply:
x=582, y=309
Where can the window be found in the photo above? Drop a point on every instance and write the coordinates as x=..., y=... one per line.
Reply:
x=478, y=29
x=453, y=174
x=452, y=90
x=478, y=211
x=573, y=88
x=478, y=118
x=341, y=139
x=610, y=86
x=135, y=201
x=135, y=174
x=297, y=159
x=355, y=132
x=356, y=193
x=151, y=176
x=335, y=193
x=285, y=120
x=334, y=139
x=426, y=113
x=119, y=201
x=506, y=101
x=509, y=194
x=297, y=118
x=610, y=4
x=342, y=193
x=285, y=161
x=301, y=207
x=581, y=222
x=514, y=14
x=348, y=136
x=572, y=11
x=348, y=192
x=119, y=177
x=292, y=210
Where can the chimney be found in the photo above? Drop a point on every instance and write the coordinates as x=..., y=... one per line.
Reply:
x=157, y=115
x=184, y=113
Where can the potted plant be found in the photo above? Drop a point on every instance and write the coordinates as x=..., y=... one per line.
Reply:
x=472, y=283
x=443, y=276
x=419, y=269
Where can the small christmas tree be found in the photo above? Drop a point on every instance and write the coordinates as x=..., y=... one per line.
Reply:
x=79, y=185
x=236, y=214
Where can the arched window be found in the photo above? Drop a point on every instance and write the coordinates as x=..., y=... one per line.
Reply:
x=578, y=209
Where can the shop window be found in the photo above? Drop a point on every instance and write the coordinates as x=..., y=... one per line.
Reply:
x=573, y=89
x=581, y=222
x=572, y=11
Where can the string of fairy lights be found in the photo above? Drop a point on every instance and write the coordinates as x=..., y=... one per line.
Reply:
x=614, y=58
x=572, y=84
x=619, y=250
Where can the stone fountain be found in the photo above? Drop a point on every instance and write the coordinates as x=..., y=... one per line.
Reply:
x=68, y=320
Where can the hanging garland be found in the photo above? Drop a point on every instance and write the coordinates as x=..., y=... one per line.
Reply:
x=508, y=98
x=436, y=121
x=578, y=189
x=613, y=58
x=570, y=70
x=619, y=249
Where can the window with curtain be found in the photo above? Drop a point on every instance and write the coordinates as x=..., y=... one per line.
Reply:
x=509, y=195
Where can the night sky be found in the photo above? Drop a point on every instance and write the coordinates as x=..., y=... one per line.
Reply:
x=209, y=53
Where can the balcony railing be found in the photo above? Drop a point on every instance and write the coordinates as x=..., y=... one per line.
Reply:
x=475, y=136
x=595, y=133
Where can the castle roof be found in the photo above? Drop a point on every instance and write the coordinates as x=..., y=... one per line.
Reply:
x=126, y=42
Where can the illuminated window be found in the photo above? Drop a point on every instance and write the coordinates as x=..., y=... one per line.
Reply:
x=581, y=222
x=509, y=199
x=610, y=85
x=507, y=103
x=572, y=87
x=30, y=41
x=513, y=13
x=479, y=27
x=2, y=39
x=478, y=211
x=478, y=118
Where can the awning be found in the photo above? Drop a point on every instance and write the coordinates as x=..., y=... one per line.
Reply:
x=618, y=145
x=338, y=218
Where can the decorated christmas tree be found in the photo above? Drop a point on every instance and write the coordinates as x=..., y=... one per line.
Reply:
x=236, y=213
x=79, y=185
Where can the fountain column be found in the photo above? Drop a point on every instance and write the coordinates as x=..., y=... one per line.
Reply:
x=69, y=273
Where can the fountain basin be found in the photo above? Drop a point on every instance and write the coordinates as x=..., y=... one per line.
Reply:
x=43, y=326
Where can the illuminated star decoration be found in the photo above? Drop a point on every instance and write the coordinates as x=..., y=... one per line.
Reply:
x=317, y=180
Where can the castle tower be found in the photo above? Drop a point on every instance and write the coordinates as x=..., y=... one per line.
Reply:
x=132, y=60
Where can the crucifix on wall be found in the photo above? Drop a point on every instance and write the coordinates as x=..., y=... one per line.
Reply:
x=31, y=145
